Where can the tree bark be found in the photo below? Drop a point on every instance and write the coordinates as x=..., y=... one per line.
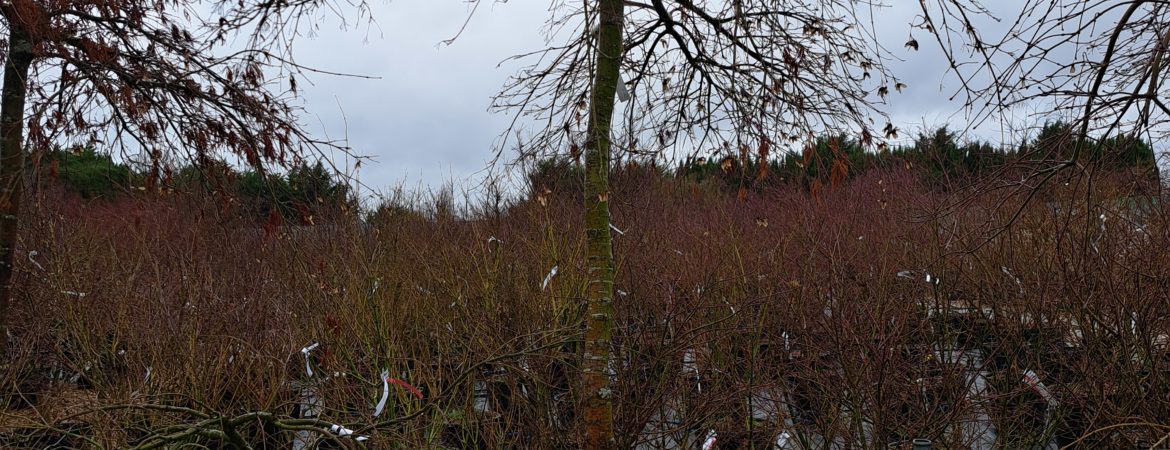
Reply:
x=599, y=294
x=12, y=98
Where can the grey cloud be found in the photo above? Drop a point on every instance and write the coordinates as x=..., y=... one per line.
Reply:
x=426, y=119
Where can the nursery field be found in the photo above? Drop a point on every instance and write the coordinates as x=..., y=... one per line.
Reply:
x=864, y=315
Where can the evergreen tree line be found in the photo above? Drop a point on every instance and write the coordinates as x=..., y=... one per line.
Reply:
x=940, y=156
x=294, y=196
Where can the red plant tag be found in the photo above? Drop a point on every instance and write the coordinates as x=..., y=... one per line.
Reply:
x=413, y=390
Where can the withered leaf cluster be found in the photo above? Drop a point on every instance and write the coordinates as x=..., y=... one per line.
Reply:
x=166, y=78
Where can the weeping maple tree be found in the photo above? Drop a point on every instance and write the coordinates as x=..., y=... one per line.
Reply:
x=151, y=78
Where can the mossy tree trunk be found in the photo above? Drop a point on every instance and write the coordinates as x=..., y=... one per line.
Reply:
x=598, y=396
x=12, y=99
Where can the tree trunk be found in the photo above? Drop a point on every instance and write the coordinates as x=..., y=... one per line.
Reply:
x=16, y=68
x=599, y=295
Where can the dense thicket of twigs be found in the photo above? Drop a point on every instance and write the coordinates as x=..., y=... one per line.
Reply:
x=139, y=321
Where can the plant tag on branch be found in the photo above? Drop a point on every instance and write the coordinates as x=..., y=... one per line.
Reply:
x=623, y=94
x=710, y=443
x=345, y=432
x=306, y=351
x=409, y=387
x=552, y=273
x=32, y=254
x=1033, y=380
x=385, y=393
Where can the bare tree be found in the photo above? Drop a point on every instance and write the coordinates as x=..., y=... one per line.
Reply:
x=710, y=76
x=151, y=78
x=1099, y=62
x=734, y=77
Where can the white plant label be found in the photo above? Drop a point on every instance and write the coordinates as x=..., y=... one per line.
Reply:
x=552, y=273
x=1033, y=380
x=345, y=432
x=710, y=442
x=623, y=94
x=385, y=393
x=305, y=351
x=32, y=254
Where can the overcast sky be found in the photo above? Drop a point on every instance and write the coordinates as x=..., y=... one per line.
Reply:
x=425, y=118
